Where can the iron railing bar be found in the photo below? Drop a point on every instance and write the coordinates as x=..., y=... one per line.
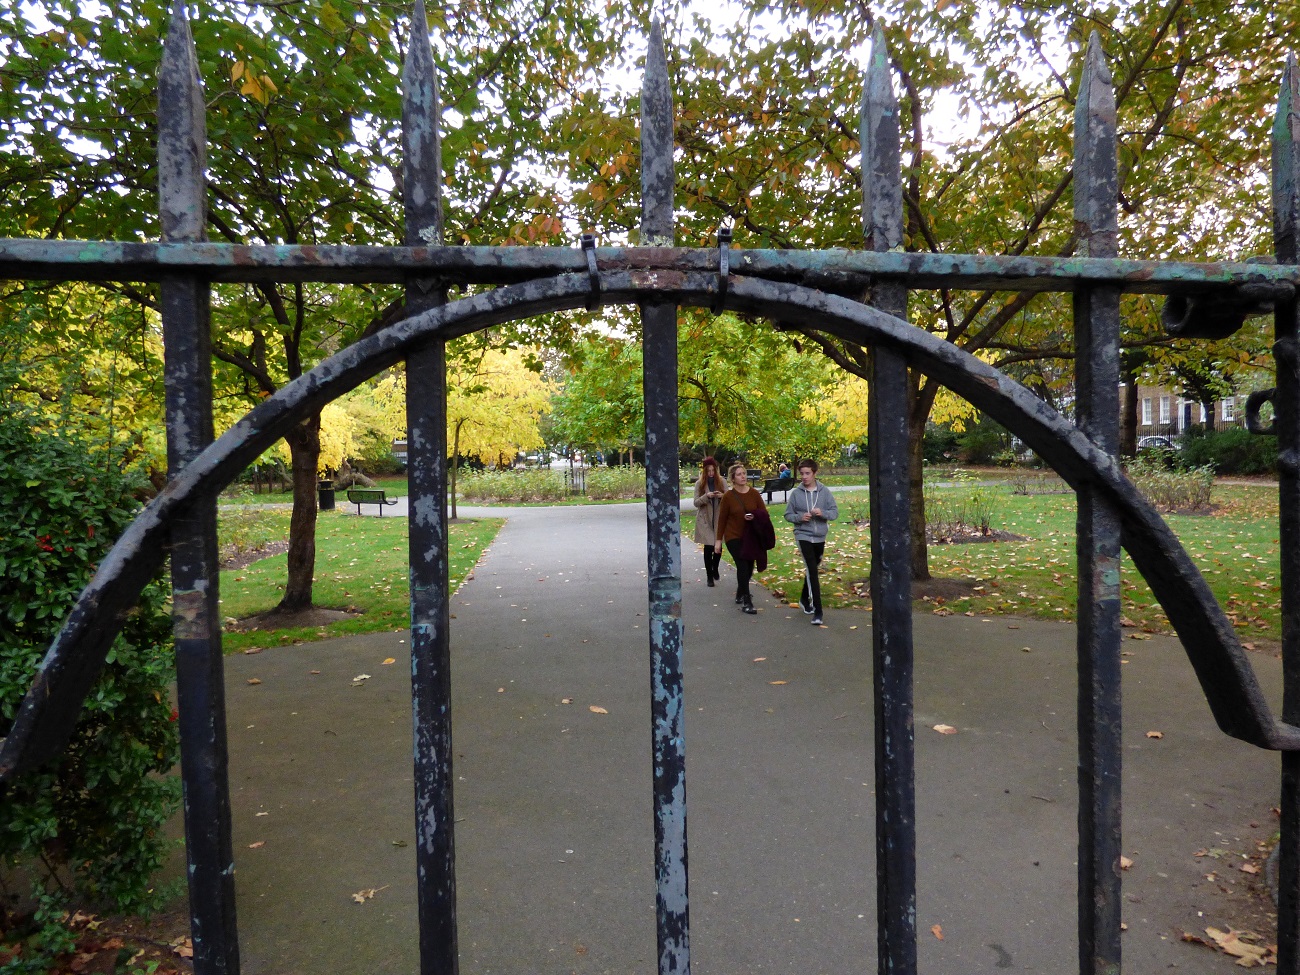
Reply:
x=1096, y=322
x=1286, y=405
x=426, y=422
x=888, y=397
x=187, y=376
x=831, y=270
x=663, y=529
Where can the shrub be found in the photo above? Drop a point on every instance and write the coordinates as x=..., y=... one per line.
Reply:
x=985, y=443
x=1171, y=489
x=608, y=483
x=1232, y=451
x=96, y=815
x=939, y=445
x=520, y=486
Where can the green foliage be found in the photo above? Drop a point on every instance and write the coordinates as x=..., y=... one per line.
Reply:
x=1169, y=489
x=940, y=444
x=1232, y=451
x=99, y=811
x=984, y=443
x=527, y=486
x=616, y=483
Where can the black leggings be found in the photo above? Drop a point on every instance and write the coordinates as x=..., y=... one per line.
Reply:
x=812, y=558
x=712, y=559
x=744, y=567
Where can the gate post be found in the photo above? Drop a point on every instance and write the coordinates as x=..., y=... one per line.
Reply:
x=888, y=405
x=1096, y=320
x=187, y=365
x=1286, y=403
x=663, y=525
x=426, y=422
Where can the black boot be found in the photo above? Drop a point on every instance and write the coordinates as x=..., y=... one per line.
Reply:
x=740, y=597
x=748, y=606
x=708, y=568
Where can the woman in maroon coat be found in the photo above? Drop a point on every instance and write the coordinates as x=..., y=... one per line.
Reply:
x=740, y=507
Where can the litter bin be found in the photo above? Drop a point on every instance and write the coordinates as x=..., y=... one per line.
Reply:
x=325, y=491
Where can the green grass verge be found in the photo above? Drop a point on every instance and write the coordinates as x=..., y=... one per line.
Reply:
x=361, y=564
x=1236, y=549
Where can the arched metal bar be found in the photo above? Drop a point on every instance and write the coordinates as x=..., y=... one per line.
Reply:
x=51, y=706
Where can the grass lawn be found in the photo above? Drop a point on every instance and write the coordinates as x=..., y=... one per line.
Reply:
x=1236, y=548
x=361, y=564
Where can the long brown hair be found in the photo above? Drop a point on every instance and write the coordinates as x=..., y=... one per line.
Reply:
x=705, y=464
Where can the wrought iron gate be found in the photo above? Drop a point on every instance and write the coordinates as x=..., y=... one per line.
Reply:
x=1206, y=301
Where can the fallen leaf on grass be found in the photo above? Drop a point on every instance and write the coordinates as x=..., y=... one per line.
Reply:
x=597, y=709
x=1155, y=734
x=1247, y=955
x=937, y=931
x=945, y=729
x=183, y=947
x=254, y=680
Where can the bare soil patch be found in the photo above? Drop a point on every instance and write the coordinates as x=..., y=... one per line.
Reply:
x=240, y=560
x=279, y=619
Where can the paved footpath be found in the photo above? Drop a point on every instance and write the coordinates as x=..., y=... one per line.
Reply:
x=553, y=816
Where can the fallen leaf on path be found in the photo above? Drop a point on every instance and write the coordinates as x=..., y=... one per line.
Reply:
x=1155, y=734
x=360, y=677
x=1125, y=863
x=315, y=671
x=566, y=700
x=945, y=729
x=253, y=650
x=254, y=680
x=1248, y=868
x=1247, y=955
x=258, y=845
x=937, y=931
x=362, y=896
x=774, y=682
x=759, y=659
x=597, y=709
x=389, y=660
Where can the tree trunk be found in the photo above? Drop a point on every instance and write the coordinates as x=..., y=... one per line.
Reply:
x=1128, y=417
x=455, y=465
x=304, y=449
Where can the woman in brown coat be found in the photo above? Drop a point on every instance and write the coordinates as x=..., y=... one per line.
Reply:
x=739, y=505
x=708, y=498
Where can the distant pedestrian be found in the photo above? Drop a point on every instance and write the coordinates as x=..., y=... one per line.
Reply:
x=746, y=529
x=709, y=490
x=811, y=508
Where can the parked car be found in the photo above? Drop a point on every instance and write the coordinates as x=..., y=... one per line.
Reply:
x=1156, y=443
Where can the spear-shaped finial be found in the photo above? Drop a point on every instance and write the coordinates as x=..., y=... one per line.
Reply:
x=882, y=187
x=656, y=145
x=182, y=134
x=421, y=139
x=1286, y=167
x=1096, y=168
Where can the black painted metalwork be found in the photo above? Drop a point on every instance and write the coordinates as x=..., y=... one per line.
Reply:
x=200, y=688
x=426, y=411
x=663, y=529
x=1286, y=406
x=1207, y=300
x=888, y=408
x=1096, y=323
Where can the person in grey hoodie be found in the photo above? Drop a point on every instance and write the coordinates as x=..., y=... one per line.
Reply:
x=811, y=508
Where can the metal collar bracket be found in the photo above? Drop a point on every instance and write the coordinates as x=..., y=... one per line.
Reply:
x=724, y=267
x=1220, y=315
x=593, y=273
x=1254, y=402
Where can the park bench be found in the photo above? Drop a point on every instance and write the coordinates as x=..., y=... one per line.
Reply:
x=782, y=484
x=360, y=496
